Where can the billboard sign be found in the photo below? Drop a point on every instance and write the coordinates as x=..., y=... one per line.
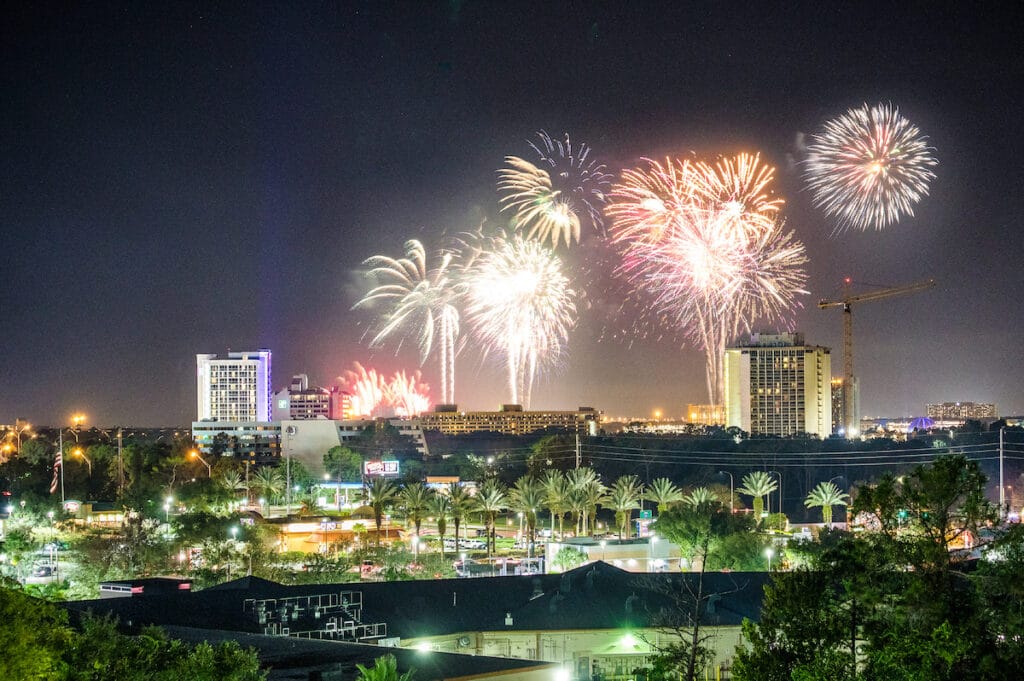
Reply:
x=380, y=468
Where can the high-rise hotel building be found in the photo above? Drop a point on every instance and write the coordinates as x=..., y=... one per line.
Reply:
x=234, y=388
x=775, y=384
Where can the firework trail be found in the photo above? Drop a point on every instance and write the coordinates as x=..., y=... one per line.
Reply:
x=419, y=300
x=706, y=246
x=868, y=167
x=554, y=196
x=367, y=388
x=520, y=305
x=408, y=394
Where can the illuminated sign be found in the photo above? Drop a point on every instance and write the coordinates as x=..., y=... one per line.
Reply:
x=380, y=468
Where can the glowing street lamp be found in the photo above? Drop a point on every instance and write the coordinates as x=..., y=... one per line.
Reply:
x=768, y=553
x=194, y=454
x=77, y=451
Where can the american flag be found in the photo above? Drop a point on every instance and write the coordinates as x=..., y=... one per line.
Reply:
x=57, y=463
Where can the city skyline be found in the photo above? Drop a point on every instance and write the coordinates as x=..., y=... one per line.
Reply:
x=182, y=181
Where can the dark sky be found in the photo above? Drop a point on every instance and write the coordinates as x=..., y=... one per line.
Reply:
x=178, y=179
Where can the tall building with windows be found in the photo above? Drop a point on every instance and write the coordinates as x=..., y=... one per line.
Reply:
x=776, y=384
x=234, y=388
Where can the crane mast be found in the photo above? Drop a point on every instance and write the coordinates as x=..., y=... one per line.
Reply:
x=851, y=407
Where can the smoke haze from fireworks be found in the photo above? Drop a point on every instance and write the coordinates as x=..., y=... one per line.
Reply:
x=868, y=167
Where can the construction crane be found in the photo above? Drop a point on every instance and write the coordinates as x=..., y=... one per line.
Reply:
x=851, y=414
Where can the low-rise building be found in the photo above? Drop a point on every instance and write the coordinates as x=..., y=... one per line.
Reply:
x=594, y=622
x=511, y=419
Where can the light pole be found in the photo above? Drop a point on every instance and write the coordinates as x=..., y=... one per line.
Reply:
x=768, y=553
x=846, y=515
x=731, y=486
x=54, y=556
x=77, y=451
x=167, y=509
x=17, y=429
x=603, y=544
x=780, y=493
x=234, y=536
x=194, y=454
x=650, y=551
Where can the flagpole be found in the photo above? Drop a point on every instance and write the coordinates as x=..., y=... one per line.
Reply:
x=62, y=498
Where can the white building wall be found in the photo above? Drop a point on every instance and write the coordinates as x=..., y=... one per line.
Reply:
x=234, y=388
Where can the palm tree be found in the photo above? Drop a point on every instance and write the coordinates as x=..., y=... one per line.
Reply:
x=413, y=500
x=440, y=507
x=624, y=496
x=526, y=496
x=231, y=482
x=593, y=496
x=460, y=505
x=490, y=500
x=663, y=492
x=556, y=497
x=380, y=494
x=269, y=481
x=579, y=480
x=826, y=495
x=699, y=496
x=758, y=484
x=385, y=668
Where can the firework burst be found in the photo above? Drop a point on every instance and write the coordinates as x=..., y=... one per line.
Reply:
x=869, y=167
x=371, y=395
x=367, y=390
x=408, y=394
x=705, y=245
x=421, y=300
x=520, y=305
x=552, y=198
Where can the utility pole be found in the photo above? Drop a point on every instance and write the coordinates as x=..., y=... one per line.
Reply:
x=1002, y=489
x=120, y=461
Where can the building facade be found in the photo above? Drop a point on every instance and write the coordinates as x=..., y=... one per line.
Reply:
x=234, y=388
x=510, y=420
x=300, y=401
x=705, y=414
x=775, y=384
x=961, y=411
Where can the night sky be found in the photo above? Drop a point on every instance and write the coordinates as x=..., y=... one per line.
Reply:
x=178, y=180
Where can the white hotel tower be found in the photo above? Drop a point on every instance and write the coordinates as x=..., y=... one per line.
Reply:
x=234, y=388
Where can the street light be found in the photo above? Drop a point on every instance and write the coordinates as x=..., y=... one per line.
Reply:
x=17, y=430
x=780, y=493
x=54, y=556
x=167, y=509
x=603, y=544
x=768, y=553
x=732, y=494
x=77, y=451
x=650, y=550
x=234, y=536
x=194, y=454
